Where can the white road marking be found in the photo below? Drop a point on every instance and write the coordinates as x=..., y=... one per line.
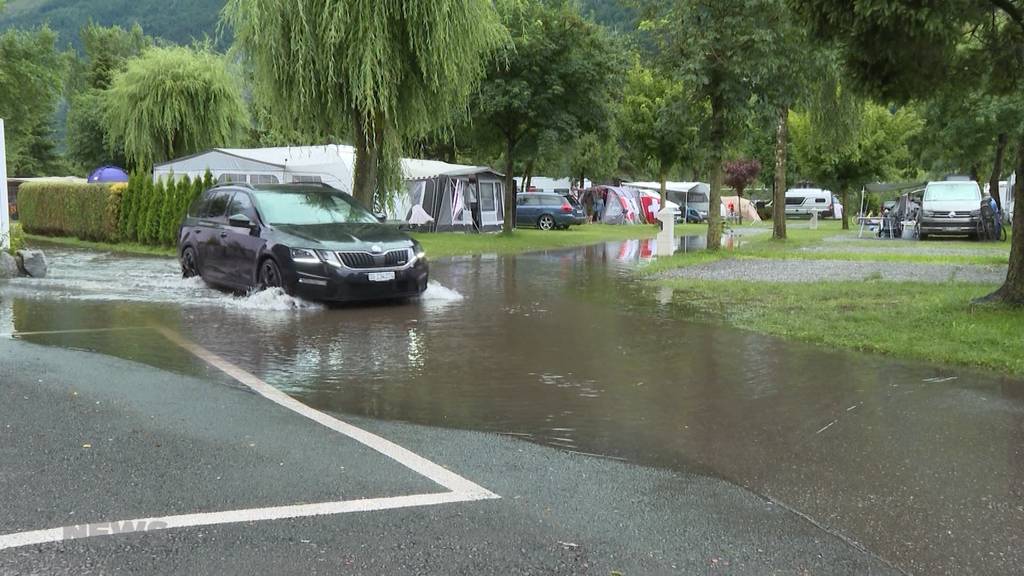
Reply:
x=226, y=517
x=459, y=488
x=827, y=426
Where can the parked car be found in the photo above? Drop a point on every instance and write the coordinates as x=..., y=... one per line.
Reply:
x=693, y=216
x=311, y=240
x=548, y=211
x=950, y=207
x=806, y=201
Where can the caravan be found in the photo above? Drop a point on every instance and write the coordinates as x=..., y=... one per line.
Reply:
x=807, y=201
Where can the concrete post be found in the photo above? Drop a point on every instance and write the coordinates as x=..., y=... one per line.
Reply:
x=666, y=245
x=5, y=210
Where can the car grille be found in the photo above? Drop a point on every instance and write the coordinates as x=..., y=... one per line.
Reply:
x=958, y=214
x=366, y=260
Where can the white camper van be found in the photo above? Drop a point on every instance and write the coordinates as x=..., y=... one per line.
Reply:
x=807, y=201
x=951, y=207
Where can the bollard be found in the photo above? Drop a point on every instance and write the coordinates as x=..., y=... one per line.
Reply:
x=666, y=245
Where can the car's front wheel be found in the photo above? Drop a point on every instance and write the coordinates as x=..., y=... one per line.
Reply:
x=546, y=222
x=189, y=265
x=270, y=275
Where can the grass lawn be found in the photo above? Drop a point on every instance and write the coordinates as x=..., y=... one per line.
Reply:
x=933, y=322
x=805, y=244
x=120, y=248
x=438, y=245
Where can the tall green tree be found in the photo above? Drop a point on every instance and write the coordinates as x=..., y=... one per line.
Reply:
x=106, y=52
x=728, y=50
x=32, y=74
x=382, y=72
x=559, y=80
x=871, y=144
x=659, y=122
x=894, y=47
x=170, y=102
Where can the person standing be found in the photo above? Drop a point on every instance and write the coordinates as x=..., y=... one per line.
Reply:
x=598, y=207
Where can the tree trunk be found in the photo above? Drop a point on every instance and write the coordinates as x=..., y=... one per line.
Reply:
x=1012, y=291
x=368, y=146
x=997, y=168
x=714, y=237
x=510, y=187
x=779, y=197
x=739, y=206
x=583, y=180
x=528, y=175
x=976, y=173
x=844, y=194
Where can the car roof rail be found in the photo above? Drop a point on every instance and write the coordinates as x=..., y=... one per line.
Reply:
x=233, y=184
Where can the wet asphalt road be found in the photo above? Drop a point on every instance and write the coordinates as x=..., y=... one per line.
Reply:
x=920, y=464
x=161, y=443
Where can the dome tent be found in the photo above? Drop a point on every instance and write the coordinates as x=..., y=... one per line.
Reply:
x=108, y=174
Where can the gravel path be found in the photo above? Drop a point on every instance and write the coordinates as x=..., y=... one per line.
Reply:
x=767, y=270
x=868, y=245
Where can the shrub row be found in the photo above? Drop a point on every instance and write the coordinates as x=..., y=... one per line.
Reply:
x=139, y=211
x=151, y=213
x=86, y=211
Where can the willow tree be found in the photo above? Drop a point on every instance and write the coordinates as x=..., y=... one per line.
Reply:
x=170, y=102
x=379, y=71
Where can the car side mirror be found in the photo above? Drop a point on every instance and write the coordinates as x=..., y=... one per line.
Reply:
x=381, y=217
x=241, y=221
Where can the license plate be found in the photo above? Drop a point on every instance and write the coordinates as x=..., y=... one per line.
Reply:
x=381, y=276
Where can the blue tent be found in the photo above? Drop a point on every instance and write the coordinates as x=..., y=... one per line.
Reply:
x=108, y=174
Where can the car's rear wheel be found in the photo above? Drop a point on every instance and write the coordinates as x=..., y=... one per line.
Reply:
x=270, y=275
x=546, y=222
x=189, y=265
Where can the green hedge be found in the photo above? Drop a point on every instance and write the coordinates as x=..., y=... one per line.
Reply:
x=87, y=211
x=139, y=211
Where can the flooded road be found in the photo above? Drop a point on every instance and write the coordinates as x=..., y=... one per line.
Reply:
x=922, y=465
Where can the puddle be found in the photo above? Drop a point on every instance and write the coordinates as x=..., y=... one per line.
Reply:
x=566, y=349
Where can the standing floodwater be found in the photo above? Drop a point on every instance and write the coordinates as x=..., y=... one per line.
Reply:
x=569, y=350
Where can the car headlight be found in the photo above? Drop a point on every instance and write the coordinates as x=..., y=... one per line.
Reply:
x=976, y=213
x=304, y=256
x=418, y=252
x=929, y=213
x=329, y=257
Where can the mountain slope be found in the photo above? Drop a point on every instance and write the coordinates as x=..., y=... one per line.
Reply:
x=180, y=21
x=183, y=21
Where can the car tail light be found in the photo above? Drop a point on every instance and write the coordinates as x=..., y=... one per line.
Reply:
x=567, y=208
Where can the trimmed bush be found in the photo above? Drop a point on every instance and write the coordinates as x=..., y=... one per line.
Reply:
x=136, y=211
x=86, y=211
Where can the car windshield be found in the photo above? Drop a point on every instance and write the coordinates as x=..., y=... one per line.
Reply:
x=952, y=192
x=310, y=207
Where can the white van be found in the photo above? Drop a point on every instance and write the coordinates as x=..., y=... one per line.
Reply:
x=807, y=201
x=950, y=207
